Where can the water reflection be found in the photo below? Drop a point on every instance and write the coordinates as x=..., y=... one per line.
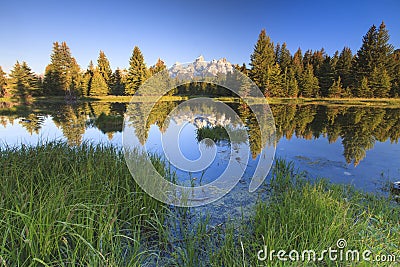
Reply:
x=357, y=128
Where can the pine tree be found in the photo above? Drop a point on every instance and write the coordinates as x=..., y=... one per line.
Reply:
x=334, y=61
x=326, y=76
x=343, y=67
x=87, y=79
x=3, y=83
x=243, y=69
x=380, y=82
x=159, y=66
x=104, y=68
x=309, y=83
x=375, y=56
x=384, y=50
x=365, y=58
x=98, y=86
x=22, y=81
x=364, y=89
x=336, y=90
x=395, y=92
x=263, y=57
x=297, y=64
x=285, y=58
x=137, y=73
x=117, y=84
x=317, y=59
x=63, y=73
x=274, y=82
x=307, y=58
x=293, y=87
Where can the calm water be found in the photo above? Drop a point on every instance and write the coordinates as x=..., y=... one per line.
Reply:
x=357, y=145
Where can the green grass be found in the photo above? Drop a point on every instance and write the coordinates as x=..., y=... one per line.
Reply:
x=79, y=206
x=73, y=206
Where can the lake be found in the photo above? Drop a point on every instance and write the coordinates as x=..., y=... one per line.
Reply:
x=347, y=144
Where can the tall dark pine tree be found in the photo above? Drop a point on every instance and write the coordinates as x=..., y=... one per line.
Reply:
x=365, y=58
x=317, y=59
x=104, y=68
x=326, y=76
x=396, y=80
x=343, y=67
x=117, y=84
x=87, y=80
x=384, y=50
x=373, y=60
x=62, y=75
x=137, y=73
x=263, y=57
x=285, y=58
x=3, y=83
x=307, y=58
x=297, y=64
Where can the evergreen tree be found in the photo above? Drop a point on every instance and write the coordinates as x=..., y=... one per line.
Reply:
x=297, y=64
x=274, y=82
x=365, y=58
x=364, y=89
x=137, y=72
x=285, y=58
x=336, y=90
x=384, y=50
x=380, y=82
x=326, y=76
x=22, y=81
x=317, y=59
x=98, y=86
x=396, y=81
x=344, y=65
x=262, y=58
x=3, y=83
x=159, y=66
x=117, y=85
x=307, y=58
x=309, y=83
x=334, y=61
x=63, y=73
x=375, y=56
x=87, y=79
x=104, y=68
x=292, y=87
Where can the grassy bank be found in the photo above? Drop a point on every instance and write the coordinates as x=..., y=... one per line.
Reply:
x=79, y=206
x=373, y=102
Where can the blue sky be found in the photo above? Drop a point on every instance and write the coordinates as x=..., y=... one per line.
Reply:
x=182, y=30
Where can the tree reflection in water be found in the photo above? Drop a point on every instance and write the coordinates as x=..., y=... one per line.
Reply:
x=358, y=127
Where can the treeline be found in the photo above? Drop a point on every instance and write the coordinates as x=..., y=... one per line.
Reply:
x=373, y=71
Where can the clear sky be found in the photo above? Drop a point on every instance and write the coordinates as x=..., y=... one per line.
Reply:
x=182, y=30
